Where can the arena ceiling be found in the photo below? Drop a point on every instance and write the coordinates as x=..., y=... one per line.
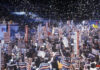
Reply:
x=50, y=9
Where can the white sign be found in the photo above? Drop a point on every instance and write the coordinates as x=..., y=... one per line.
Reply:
x=75, y=42
x=96, y=52
x=41, y=54
x=17, y=35
x=65, y=42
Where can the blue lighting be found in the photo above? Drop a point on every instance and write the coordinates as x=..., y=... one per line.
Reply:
x=19, y=13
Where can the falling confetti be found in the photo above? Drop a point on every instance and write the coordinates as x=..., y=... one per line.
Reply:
x=54, y=9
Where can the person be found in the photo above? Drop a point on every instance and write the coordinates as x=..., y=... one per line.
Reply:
x=33, y=66
x=59, y=65
x=55, y=64
x=65, y=64
x=45, y=65
x=37, y=61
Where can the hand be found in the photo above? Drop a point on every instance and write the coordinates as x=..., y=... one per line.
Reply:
x=71, y=66
x=54, y=54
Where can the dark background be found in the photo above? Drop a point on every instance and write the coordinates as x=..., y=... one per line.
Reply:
x=51, y=9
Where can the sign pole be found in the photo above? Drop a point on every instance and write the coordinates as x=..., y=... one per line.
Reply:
x=0, y=54
x=0, y=57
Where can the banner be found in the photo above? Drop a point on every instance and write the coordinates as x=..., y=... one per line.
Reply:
x=6, y=37
x=76, y=42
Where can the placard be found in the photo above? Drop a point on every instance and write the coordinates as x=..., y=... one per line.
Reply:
x=6, y=37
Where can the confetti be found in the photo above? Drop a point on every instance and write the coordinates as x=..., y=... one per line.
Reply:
x=55, y=9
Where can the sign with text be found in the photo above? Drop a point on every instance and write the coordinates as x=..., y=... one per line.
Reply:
x=26, y=33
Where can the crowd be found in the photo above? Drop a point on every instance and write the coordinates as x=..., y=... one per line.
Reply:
x=55, y=47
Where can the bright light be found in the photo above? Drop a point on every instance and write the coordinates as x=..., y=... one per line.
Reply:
x=32, y=14
x=38, y=19
x=83, y=22
x=19, y=13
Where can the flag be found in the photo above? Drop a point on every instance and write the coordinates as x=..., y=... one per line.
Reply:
x=59, y=65
x=95, y=26
x=96, y=22
x=49, y=33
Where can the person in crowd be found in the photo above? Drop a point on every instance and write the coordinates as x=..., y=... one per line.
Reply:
x=52, y=47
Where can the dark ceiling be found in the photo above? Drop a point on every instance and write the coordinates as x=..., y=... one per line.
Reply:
x=52, y=9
